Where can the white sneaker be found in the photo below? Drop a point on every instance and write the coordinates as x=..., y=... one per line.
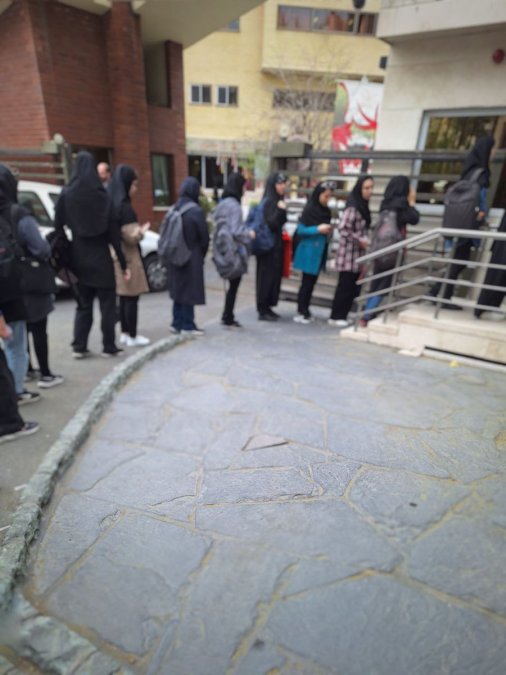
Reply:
x=138, y=341
x=300, y=318
x=195, y=332
x=123, y=338
x=340, y=323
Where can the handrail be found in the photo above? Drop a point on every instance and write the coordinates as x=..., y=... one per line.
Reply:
x=430, y=235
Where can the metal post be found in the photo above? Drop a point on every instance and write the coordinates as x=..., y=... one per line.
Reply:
x=394, y=281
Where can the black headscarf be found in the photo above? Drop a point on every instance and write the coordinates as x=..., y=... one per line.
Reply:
x=86, y=202
x=314, y=212
x=190, y=189
x=396, y=194
x=270, y=193
x=477, y=158
x=356, y=200
x=118, y=189
x=235, y=184
x=8, y=189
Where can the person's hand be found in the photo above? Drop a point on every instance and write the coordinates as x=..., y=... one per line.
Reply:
x=252, y=234
x=481, y=215
x=5, y=329
x=363, y=242
x=281, y=204
x=324, y=228
x=145, y=227
x=127, y=274
x=412, y=197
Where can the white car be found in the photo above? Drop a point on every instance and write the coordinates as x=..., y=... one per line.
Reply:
x=43, y=197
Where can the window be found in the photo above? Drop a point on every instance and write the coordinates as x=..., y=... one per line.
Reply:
x=228, y=96
x=293, y=99
x=162, y=168
x=156, y=72
x=232, y=27
x=200, y=93
x=451, y=131
x=330, y=21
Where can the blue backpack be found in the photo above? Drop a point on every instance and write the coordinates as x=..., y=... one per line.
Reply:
x=264, y=238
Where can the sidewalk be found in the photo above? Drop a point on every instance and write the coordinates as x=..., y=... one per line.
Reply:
x=278, y=500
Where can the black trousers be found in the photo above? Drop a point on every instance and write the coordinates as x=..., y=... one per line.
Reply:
x=10, y=419
x=83, y=320
x=268, y=279
x=128, y=310
x=346, y=292
x=38, y=331
x=306, y=292
x=228, y=312
x=463, y=252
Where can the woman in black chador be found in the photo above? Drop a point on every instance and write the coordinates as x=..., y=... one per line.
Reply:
x=494, y=277
x=270, y=264
x=85, y=207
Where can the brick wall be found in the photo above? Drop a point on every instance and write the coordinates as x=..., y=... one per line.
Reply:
x=82, y=75
x=24, y=122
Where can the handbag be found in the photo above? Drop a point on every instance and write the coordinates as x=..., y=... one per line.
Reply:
x=37, y=277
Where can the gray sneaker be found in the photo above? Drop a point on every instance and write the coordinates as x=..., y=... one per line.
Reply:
x=28, y=397
x=27, y=429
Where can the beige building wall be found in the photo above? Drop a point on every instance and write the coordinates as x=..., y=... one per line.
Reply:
x=261, y=58
x=449, y=72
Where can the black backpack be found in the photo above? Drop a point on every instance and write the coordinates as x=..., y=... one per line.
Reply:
x=385, y=234
x=10, y=271
x=462, y=203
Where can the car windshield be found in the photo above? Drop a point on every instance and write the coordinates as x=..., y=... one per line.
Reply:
x=54, y=197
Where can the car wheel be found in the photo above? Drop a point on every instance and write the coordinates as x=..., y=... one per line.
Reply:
x=156, y=273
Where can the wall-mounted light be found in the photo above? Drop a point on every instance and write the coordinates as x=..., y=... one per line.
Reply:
x=498, y=56
x=358, y=4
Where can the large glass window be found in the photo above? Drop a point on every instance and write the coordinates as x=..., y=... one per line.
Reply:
x=200, y=93
x=457, y=132
x=156, y=72
x=332, y=21
x=162, y=168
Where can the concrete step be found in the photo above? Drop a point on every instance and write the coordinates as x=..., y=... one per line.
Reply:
x=415, y=329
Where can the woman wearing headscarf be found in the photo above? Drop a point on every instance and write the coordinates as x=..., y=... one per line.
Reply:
x=477, y=159
x=400, y=200
x=228, y=214
x=84, y=206
x=186, y=283
x=270, y=264
x=312, y=231
x=353, y=228
x=121, y=188
x=494, y=277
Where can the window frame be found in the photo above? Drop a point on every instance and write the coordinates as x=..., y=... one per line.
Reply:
x=201, y=94
x=227, y=88
x=169, y=171
x=354, y=31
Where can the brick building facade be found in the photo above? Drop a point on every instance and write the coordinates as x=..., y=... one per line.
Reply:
x=82, y=75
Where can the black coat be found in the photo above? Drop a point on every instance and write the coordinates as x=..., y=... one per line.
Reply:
x=495, y=277
x=91, y=257
x=186, y=284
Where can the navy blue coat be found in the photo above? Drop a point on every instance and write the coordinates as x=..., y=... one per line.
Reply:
x=186, y=284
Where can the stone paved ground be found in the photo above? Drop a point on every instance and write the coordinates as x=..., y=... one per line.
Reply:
x=279, y=501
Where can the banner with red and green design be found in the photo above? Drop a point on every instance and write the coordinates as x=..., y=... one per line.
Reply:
x=356, y=119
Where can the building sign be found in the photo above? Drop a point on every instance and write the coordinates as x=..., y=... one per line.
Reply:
x=356, y=119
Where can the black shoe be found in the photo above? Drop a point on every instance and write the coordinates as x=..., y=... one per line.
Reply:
x=111, y=354
x=28, y=397
x=266, y=317
x=272, y=313
x=231, y=324
x=478, y=313
x=447, y=305
x=26, y=430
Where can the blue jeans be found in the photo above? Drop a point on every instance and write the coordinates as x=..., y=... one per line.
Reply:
x=183, y=317
x=17, y=354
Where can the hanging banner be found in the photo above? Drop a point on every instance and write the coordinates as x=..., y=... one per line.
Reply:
x=356, y=119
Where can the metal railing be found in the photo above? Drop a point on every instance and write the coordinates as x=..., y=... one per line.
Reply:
x=50, y=163
x=432, y=237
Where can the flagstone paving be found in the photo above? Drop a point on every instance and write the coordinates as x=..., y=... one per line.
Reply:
x=277, y=500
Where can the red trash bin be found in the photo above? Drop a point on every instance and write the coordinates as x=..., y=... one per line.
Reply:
x=287, y=255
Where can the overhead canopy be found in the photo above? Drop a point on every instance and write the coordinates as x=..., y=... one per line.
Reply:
x=183, y=21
